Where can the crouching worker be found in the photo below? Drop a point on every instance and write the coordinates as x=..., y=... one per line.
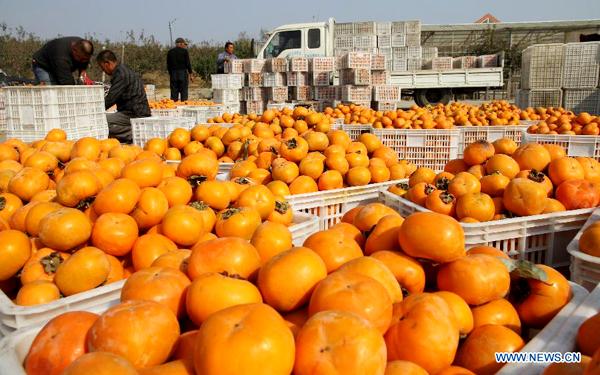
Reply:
x=127, y=92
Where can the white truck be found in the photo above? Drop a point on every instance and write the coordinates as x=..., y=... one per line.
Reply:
x=427, y=86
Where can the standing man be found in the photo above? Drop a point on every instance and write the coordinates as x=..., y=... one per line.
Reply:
x=56, y=61
x=127, y=92
x=178, y=64
x=225, y=56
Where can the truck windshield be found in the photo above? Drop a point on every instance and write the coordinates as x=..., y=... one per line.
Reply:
x=281, y=41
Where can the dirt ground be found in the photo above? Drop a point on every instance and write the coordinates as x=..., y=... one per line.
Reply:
x=194, y=92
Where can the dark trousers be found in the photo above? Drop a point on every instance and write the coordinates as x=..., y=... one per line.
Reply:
x=119, y=126
x=179, y=84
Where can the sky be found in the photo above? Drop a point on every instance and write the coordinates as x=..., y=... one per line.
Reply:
x=222, y=20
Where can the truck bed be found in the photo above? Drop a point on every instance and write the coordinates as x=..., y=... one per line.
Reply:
x=479, y=77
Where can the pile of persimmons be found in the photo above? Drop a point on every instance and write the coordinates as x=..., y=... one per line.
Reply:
x=77, y=215
x=563, y=122
x=289, y=163
x=374, y=294
x=170, y=104
x=500, y=180
x=438, y=117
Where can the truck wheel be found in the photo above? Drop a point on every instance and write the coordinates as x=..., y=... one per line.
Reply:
x=426, y=97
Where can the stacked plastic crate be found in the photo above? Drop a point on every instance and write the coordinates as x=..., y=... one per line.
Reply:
x=355, y=78
x=384, y=95
x=229, y=94
x=321, y=70
x=407, y=53
x=2, y=118
x=580, y=77
x=541, y=76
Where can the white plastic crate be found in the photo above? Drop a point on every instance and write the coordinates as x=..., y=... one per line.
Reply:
x=298, y=64
x=432, y=148
x=487, y=61
x=582, y=101
x=253, y=106
x=232, y=107
x=582, y=64
x=399, y=53
x=384, y=41
x=343, y=28
x=384, y=106
x=559, y=335
x=320, y=106
x=383, y=28
x=255, y=65
x=542, y=66
x=356, y=93
x=277, y=65
x=298, y=79
x=144, y=129
x=439, y=63
x=150, y=92
x=359, y=77
x=540, y=98
x=168, y=112
x=235, y=66
x=273, y=79
x=575, y=145
x=414, y=64
x=226, y=95
x=280, y=106
x=412, y=26
x=355, y=130
x=254, y=79
x=254, y=93
x=365, y=41
x=399, y=27
x=227, y=81
x=464, y=62
x=320, y=78
x=322, y=64
x=386, y=93
x=429, y=52
x=331, y=205
x=305, y=224
x=344, y=41
x=414, y=52
x=378, y=62
x=364, y=27
x=380, y=77
x=585, y=268
x=14, y=317
x=471, y=134
x=32, y=111
x=355, y=60
x=413, y=39
x=541, y=239
x=327, y=93
x=201, y=113
x=400, y=65
x=302, y=93
x=277, y=94
x=398, y=40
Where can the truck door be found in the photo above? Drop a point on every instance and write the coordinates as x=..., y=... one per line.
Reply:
x=284, y=44
x=315, y=42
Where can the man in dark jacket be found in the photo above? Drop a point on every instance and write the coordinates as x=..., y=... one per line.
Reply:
x=56, y=61
x=178, y=64
x=127, y=92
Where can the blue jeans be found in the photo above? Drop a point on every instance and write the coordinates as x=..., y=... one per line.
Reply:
x=43, y=76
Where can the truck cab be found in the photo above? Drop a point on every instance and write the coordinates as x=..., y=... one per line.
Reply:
x=301, y=40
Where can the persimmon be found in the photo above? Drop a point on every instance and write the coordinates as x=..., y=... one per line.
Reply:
x=254, y=336
x=28, y=182
x=333, y=247
x=322, y=340
x=478, y=152
x=532, y=156
x=60, y=342
x=432, y=236
x=355, y=293
x=462, y=312
x=374, y=268
x=86, y=269
x=115, y=233
x=64, y=229
x=500, y=312
x=183, y=225
x=239, y=222
x=525, y=197
x=128, y=328
x=577, y=194
x=231, y=254
x=477, y=278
